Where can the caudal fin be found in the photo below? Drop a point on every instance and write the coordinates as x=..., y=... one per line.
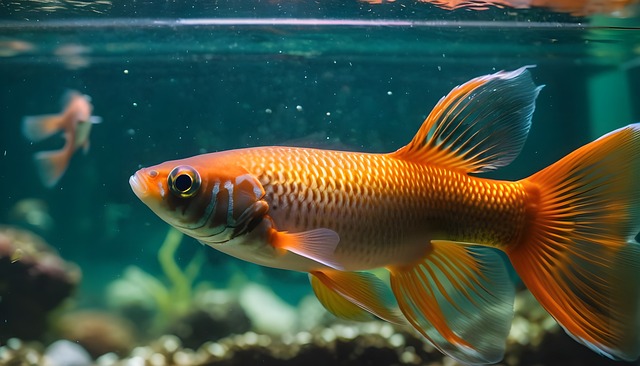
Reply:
x=36, y=128
x=51, y=166
x=579, y=257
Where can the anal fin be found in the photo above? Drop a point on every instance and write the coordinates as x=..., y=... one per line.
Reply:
x=460, y=297
x=51, y=165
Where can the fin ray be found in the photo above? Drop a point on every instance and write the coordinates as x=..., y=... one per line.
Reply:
x=360, y=289
x=317, y=244
x=579, y=258
x=460, y=298
x=479, y=126
x=336, y=303
x=51, y=165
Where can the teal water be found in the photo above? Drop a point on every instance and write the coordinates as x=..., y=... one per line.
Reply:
x=172, y=87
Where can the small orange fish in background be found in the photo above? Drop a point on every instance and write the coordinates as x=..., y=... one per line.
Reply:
x=74, y=121
x=424, y=215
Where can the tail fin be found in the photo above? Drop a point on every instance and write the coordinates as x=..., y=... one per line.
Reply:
x=579, y=257
x=51, y=165
x=36, y=128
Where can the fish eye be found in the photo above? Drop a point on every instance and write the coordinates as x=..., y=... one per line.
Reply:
x=184, y=181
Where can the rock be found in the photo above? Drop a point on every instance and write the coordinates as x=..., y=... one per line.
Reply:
x=33, y=281
x=200, y=326
x=98, y=332
x=372, y=344
x=66, y=353
x=20, y=353
x=268, y=313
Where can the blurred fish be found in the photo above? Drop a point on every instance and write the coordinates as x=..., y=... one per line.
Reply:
x=74, y=121
x=14, y=47
x=422, y=214
x=73, y=56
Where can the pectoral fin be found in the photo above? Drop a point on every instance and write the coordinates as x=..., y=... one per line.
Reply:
x=317, y=244
x=355, y=295
x=460, y=297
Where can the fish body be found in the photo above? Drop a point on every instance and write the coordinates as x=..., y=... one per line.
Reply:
x=372, y=200
x=424, y=215
x=74, y=122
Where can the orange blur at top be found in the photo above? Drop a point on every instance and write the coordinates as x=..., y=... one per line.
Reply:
x=573, y=7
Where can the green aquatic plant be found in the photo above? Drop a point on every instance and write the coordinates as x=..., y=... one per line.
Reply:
x=166, y=298
x=179, y=294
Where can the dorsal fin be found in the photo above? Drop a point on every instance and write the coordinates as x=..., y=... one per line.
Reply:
x=479, y=126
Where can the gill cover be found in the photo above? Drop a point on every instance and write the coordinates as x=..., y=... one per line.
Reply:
x=235, y=202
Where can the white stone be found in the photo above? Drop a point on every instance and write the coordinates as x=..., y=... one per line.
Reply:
x=67, y=353
x=268, y=313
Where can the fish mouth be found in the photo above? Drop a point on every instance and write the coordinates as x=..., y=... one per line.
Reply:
x=138, y=186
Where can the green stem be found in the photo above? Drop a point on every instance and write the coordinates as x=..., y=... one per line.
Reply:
x=180, y=283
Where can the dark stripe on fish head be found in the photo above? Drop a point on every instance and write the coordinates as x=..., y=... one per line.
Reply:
x=239, y=207
x=210, y=204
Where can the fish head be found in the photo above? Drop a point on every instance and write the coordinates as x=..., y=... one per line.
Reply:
x=204, y=197
x=79, y=106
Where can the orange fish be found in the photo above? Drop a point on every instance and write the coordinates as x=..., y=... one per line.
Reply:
x=424, y=215
x=75, y=121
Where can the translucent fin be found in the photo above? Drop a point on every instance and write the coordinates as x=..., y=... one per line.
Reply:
x=337, y=304
x=363, y=289
x=317, y=244
x=95, y=119
x=81, y=135
x=579, y=259
x=479, y=126
x=460, y=297
x=85, y=147
x=37, y=128
x=51, y=166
